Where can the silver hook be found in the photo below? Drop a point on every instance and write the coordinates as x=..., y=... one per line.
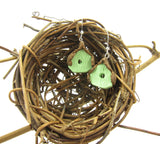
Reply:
x=81, y=32
x=107, y=48
x=81, y=36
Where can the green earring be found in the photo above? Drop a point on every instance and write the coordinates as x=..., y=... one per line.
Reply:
x=80, y=60
x=101, y=75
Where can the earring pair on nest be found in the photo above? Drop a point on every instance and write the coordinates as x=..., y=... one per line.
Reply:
x=82, y=61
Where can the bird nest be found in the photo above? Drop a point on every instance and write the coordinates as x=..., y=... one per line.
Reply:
x=64, y=106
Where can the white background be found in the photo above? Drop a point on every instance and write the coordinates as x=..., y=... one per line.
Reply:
x=136, y=21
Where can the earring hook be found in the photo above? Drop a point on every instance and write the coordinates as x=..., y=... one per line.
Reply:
x=81, y=32
x=107, y=48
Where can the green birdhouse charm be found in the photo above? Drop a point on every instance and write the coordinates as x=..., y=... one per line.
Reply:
x=101, y=75
x=80, y=60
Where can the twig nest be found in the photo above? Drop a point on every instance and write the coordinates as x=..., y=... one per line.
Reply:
x=62, y=104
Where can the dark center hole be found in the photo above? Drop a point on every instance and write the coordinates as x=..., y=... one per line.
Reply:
x=102, y=75
x=79, y=61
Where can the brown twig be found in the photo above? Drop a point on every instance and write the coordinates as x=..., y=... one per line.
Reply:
x=15, y=133
x=32, y=28
x=11, y=68
x=154, y=52
x=11, y=52
x=26, y=101
x=40, y=18
x=148, y=62
x=112, y=119
x=8, y=59
x=140, y=130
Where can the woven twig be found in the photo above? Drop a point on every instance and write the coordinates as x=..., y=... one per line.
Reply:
x=62, y=106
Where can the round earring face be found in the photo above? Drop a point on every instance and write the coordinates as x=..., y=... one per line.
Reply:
x=101, y=77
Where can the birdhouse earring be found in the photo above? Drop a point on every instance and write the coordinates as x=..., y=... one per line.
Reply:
x=80, y=60
x=102, y=75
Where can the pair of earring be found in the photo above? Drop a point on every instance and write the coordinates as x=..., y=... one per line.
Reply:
x=82, y=61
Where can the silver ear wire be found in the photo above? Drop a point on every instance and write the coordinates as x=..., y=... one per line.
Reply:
x=107, y=48
x=81, y=32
